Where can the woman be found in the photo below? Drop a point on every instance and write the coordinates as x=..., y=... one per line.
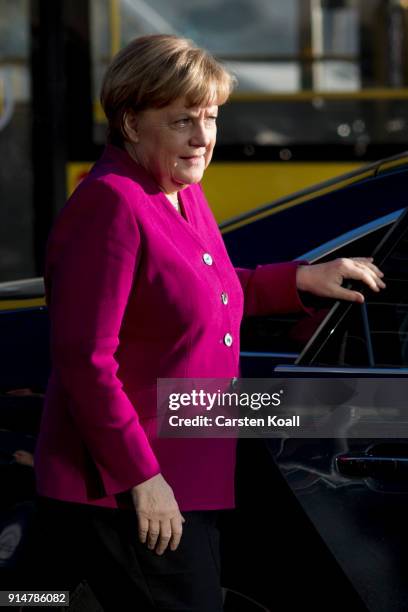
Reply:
x=139, y=286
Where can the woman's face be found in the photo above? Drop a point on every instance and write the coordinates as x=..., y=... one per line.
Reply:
x=175, y=143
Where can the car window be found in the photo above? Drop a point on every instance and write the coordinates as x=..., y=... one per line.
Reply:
x=291, y=332
x=374, y=334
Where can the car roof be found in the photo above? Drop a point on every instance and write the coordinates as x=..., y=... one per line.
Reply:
x=359, y=232
x=22, y=289
x=371, y=170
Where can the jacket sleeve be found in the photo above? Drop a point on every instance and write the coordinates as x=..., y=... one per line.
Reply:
x=92, y=259
x=271, y=289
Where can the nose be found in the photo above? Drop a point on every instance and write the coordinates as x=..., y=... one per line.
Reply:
x=201, y=135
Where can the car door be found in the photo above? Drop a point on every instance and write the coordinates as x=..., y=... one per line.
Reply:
x=331, y=513
x=24, y=368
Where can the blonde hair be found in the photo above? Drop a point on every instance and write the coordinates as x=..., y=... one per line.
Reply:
x=153, y=71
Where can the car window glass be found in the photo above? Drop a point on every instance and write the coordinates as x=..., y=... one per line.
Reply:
x=388, y=312
x=387, y=319
x=291, y=332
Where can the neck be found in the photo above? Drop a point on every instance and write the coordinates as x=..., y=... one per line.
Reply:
x=173, y=197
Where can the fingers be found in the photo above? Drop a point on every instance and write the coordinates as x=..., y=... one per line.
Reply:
x=369, y=278
x=159, y=535
x=363, y=270
x=368, y=263
x=325, y=280
x=349, y=295
x=164, y=539
x=153, y=534
x=143, y=528
x=176, y=532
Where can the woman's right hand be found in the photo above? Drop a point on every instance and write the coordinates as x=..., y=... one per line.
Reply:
x=159, y=517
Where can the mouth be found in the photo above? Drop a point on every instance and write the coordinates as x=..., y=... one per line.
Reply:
x=193, y=159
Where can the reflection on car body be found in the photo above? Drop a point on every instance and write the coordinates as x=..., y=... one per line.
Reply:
x=354, y=491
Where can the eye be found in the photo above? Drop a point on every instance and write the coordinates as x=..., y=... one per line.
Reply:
x=182, y=122
x=212, y=119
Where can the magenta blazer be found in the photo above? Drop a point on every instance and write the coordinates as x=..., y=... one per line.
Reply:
x=137, y=291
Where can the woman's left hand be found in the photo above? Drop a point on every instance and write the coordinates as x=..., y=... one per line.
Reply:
x=325, y=279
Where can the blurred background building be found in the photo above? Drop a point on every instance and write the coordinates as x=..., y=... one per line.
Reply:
x=323, y=87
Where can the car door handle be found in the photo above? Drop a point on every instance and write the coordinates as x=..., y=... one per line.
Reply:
x=385, y=467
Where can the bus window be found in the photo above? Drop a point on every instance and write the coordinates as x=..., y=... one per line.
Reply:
x=15, y=124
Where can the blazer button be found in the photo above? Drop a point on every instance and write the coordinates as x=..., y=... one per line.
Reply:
x=228, y=339
x=224, y=298
x=207, y=259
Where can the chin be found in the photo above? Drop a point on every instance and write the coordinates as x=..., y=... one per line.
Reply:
x=190, y=179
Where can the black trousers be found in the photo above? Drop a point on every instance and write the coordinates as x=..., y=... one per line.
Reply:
x=99, y=547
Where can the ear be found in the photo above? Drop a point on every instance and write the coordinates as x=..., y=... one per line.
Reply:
x=130, y=126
